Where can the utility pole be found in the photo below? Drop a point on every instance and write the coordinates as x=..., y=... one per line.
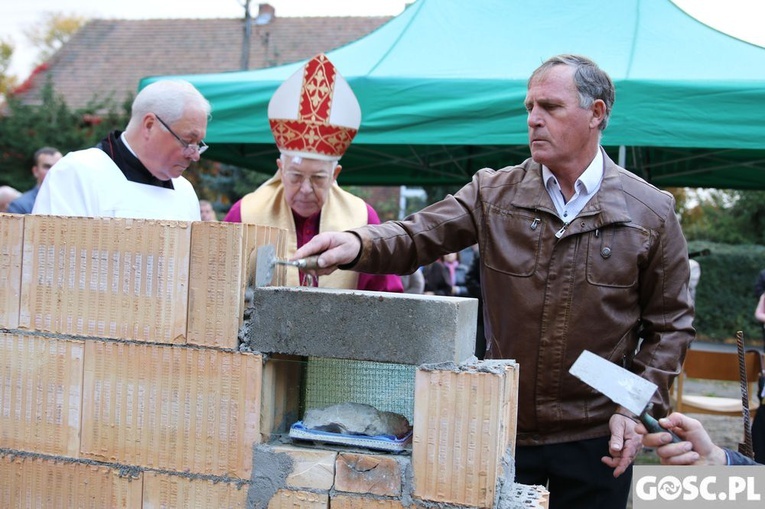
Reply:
x=245, y=61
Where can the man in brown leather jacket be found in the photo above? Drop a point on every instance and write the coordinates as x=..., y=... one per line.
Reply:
x=576, y=253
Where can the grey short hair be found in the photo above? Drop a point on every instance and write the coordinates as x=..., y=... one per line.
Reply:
x=169, y=99
x=592, y=82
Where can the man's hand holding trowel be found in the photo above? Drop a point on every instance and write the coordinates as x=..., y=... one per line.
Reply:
x=333, y=248
x=633, y=395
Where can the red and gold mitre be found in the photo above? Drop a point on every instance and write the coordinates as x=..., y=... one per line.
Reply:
x=314, y=113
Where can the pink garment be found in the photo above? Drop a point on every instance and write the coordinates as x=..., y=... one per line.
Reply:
x=307, y=228
x=452, y=266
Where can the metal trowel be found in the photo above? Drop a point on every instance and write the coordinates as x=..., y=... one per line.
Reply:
x=620, y=385
x=266, y=260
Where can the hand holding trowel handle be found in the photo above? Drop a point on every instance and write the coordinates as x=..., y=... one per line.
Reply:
x=623, y=387
x=266, y=260
x=318, y=257
x=331, y=249
x=310, y=263
x=654, y=426
x=696, y=448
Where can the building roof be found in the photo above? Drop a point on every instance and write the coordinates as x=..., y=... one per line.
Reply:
x=106, y=58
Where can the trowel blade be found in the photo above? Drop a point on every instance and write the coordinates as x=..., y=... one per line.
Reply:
x=620, y=385
x=264, y=265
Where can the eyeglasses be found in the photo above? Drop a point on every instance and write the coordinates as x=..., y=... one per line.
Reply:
x=188, y=148
x=317, y=180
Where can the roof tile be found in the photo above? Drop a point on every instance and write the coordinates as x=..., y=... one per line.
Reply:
x=107, y=58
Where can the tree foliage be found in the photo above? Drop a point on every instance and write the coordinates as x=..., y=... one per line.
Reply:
x=54, y=31
x=48, y=36
x=7, y=81
x=725, y=298
x=25, y=128
x=385, y=200
x=222, y=184
x=730, y=217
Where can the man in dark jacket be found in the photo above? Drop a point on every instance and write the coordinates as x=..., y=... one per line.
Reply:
x=576, y=253
x=436, y=279
x=473, y=285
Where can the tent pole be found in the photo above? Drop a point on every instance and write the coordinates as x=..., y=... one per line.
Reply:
x=622, y=156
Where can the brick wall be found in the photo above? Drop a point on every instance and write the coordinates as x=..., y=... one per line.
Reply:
x=122, y=384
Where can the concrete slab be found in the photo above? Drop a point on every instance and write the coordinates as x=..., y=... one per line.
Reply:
x=354, y=324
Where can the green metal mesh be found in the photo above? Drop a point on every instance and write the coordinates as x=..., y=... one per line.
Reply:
x=387, y=387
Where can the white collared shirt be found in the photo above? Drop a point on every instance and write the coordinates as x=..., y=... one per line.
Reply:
x=585, y=186
x=124, y=140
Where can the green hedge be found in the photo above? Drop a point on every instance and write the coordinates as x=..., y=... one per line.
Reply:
x=725, y=298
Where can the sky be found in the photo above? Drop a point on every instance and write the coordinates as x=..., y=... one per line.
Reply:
x=744, y=19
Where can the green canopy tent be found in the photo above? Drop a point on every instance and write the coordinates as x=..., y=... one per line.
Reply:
x=442, y=85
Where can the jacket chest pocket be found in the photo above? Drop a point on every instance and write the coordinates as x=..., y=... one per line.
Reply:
x=511, y=242
x=614, y=256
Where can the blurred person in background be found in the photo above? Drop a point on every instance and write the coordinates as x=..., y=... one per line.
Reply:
x=7, y=195
x=437, y=278
x=206, y=211
x=414, y=282
x=457, y=272
x=43, y=160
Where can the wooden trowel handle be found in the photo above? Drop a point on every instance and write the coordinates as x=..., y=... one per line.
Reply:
x=309, y=263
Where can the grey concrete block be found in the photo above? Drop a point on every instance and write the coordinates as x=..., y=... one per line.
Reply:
x=360, y=325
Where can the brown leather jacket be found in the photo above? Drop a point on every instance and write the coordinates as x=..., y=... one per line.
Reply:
x=616, y=275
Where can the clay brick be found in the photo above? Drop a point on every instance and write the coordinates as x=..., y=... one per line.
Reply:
x=41, y=482
x=175, y=408
x=106, y=277
x=280, y=407
x=464, y=422
x=40, y=394
x=223, y=259
x=289, y=499
x=366, y=473
x=528, y=496
x=11, y=241
x=311, y=468
x=544, y=497
x=162, y=490
x=351, y=502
